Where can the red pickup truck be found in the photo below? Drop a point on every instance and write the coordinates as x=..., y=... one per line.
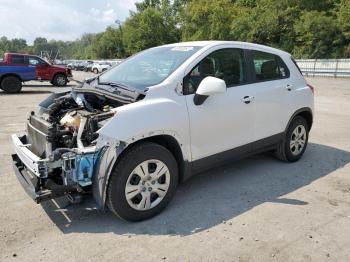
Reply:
x=18, y=68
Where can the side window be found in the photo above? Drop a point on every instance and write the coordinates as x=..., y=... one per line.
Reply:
x=226, y=64
x=269, y=67
x=33, y=61
x=19, y=59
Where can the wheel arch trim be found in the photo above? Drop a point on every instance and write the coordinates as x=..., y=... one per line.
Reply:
x=11, y=74
x=113, y=150
x=301, y=111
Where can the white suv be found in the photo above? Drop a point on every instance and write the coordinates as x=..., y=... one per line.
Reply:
x=100, y=67
x=132, y=134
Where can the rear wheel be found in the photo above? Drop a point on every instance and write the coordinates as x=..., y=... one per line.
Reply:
x=294, y=144
x=95, y=70
x=143, y=182
x=60, y=80
x=11, y=84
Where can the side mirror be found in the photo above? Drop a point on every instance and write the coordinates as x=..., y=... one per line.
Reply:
x=209, y=86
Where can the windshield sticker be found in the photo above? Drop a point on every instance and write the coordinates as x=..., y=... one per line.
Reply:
x=182, y=48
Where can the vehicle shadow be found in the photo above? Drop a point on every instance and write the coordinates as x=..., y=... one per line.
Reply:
x=46, y=86
x=27, y=92
x=210, y=198
x=38, y=89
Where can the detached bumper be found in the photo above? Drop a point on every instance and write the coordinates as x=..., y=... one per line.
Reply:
x=31, y=171
x=31, y=161
x=29, y=182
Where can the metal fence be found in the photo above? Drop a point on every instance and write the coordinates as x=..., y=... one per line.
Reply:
x=325, y=67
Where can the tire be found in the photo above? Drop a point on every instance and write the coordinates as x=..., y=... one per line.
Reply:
x=60, y=80
x=285, y=151
x=11, y=84
x=125, y=177
x=95, y=70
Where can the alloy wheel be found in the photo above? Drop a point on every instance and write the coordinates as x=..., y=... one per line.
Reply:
x=298, y=140
x=147, y=185
x=61, y=80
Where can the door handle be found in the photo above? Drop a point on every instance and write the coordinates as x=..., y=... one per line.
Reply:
x=247, y=99
x=289, y=87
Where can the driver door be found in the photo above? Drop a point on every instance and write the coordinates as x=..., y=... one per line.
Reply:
x=223, y=124
x=40, y=68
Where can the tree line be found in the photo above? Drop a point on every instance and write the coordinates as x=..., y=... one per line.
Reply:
x=305, y=28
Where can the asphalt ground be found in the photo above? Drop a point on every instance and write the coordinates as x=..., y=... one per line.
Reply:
x=257, y=209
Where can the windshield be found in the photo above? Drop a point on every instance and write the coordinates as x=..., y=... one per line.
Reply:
x=149, y=67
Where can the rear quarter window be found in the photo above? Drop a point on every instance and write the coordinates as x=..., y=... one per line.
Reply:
x=19, y=59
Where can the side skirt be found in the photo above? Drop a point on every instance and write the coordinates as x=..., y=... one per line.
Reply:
x=237, y=153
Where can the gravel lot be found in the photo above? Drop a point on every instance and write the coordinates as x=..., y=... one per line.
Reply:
x=258, y=209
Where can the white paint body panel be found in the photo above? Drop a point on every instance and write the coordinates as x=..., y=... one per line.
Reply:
x=223, y=121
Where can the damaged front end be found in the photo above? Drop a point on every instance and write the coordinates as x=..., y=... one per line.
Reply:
x=59, y=154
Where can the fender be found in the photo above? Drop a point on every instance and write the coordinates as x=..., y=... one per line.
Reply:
x=11, y=74
x=299, y=111
x=135, y=122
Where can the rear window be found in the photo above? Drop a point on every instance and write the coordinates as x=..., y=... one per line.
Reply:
x=18, y=59
x=269, y=66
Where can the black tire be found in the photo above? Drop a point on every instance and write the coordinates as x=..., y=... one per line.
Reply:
x=284, y=151
x=95, y=70
x=11, y=84
x=116, y=198
x=59, y=80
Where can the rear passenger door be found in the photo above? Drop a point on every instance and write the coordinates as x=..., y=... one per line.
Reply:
x=271, y=83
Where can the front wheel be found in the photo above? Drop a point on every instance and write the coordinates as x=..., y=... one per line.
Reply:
x=143, y=182
x=95, y=70
x=294, y=144
x=60, y=80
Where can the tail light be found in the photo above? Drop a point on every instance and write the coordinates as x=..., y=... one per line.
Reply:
x=311, y=88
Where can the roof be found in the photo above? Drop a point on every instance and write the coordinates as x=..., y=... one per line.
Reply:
x=212, y=43
x=10, y=53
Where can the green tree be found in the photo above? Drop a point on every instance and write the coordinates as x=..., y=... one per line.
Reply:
x=343, y=17
x=109, y=44
x=152, y=26
x=318, y=36
x=13, y=45
x=206, y=20
x=40, y=44
x=142, y=6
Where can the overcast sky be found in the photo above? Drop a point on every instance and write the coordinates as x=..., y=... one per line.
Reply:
x=59, y=19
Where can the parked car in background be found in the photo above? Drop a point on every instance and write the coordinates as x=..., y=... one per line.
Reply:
x=17, y=68
x=100, y=67
x=80, y=66
x=88, y=66
x=130, y=135
x=71, y=65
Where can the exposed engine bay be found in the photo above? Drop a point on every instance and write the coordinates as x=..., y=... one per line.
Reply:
x=73, y=119
x=63, y=136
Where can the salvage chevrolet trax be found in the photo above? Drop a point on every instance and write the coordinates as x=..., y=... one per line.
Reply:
x=132, y=134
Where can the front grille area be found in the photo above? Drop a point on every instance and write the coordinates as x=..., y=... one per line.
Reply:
x=39, y=124
x=38, y=130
